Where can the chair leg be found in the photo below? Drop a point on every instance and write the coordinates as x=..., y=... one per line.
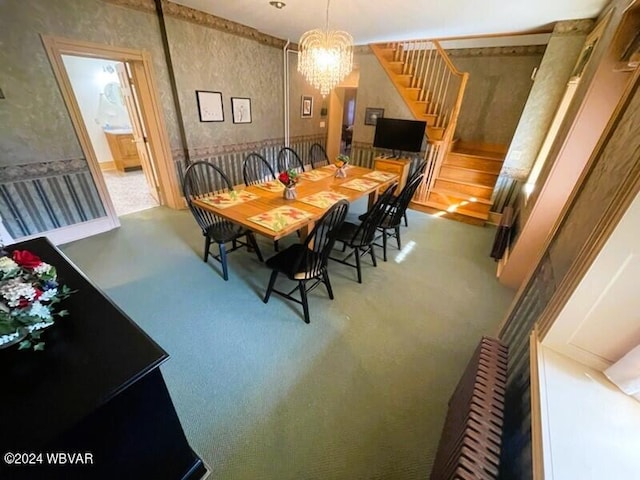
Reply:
x=398, y=238
x=384, y=245
x=276, y=247
x=325, y=276
x=303, y=298
x=406, y=222
x=223, y=260
x=358, y=268
x=272, y=282
x=252, y=240
x=373, y=256
x=207, y=245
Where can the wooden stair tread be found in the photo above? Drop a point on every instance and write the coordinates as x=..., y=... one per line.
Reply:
x=453, y=193
x=461, y=182
x=460, y=210
x=478, y=170
x=472, y=152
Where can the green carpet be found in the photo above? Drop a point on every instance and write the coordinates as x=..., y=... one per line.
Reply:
x=360, y=393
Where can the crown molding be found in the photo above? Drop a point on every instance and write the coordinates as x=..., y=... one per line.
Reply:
x=574, y=27
x=201, y=18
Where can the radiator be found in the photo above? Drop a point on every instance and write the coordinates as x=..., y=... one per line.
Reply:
x=469, y=446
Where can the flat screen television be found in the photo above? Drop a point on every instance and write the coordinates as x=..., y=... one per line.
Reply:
x=399, y=135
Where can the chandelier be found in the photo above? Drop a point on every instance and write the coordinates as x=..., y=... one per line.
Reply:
x=325, y=56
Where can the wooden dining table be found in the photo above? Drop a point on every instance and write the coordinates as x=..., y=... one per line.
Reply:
x=263, y=209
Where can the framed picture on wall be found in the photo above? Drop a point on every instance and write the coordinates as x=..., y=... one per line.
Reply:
x=241, y=110
x=306, y=106
x=371, y=115
x=210, y=106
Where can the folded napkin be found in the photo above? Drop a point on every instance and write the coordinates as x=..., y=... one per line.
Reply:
x=625, y=373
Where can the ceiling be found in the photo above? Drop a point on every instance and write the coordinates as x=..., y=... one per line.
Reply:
x=371, y=21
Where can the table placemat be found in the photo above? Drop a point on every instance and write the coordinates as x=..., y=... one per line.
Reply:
x=323, y=199
x=380, y=176
x=271, y=186
x=360, y=184
x=229, y=199
x=280, y=218
x=315, y=175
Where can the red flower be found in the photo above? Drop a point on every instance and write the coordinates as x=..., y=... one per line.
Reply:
x=26, y=259
x=23, y=302
x=284, y=178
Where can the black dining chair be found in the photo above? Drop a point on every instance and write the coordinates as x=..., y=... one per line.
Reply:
x=288, y=159
x=417, y=170
x=360, y=237
x=305, y=262
x=389, y=224
x=318, y=156
x=201, y=180
x=256, y=169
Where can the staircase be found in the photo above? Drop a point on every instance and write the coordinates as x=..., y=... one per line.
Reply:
x=459, y=177
x=465, y=182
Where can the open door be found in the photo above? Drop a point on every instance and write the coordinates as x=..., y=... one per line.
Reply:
x=140, y=138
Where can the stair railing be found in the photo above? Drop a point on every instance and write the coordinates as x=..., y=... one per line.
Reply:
x=433, y=89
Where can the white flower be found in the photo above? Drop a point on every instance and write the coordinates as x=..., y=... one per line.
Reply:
x=42, y=268
x=7, y=265
x=39, y=310
x=15, y=289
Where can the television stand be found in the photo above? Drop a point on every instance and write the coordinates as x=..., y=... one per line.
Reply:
x=398, y=165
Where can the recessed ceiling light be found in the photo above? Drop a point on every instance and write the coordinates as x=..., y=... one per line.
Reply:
x=278, y=5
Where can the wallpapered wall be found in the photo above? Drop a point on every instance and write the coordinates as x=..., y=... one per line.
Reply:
x=36, y=125
x=375, y=90
x=44, y=178
x=497, y=90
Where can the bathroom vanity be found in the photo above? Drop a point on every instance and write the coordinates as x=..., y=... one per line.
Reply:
x=123, y=149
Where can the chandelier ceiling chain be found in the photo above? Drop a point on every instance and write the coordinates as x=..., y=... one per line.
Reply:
x=325, y=57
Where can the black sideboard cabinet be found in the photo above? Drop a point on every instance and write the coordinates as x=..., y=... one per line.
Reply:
x=96, y=388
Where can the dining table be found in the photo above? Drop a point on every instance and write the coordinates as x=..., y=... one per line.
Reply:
x=263, y=209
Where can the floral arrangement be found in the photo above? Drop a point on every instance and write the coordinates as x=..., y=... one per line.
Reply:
x=288, y=178
x=341, y=160
x=29, y=290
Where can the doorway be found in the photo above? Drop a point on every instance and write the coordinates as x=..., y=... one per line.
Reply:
x=138, y=92
x=131, y=181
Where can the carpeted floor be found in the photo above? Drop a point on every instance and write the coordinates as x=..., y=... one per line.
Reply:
x=360, y=393
x=129, y=191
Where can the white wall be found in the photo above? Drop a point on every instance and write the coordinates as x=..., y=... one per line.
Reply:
x=88, y=78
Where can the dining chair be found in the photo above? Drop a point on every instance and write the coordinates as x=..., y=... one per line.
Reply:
x=256, y=169
x=305, y=262
x=360, y=237
x=202, y=179
x=318, y=156
x=416, y=171
x=288, y=159
x=389, y=224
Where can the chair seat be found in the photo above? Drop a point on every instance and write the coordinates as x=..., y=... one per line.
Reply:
x=347, y=234
x=225, y=231
x=285, y=260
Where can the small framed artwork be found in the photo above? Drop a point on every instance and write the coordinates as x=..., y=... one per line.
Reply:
x=210, y=106
x=371, y=115
x=241, y=110
x=306, y=106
